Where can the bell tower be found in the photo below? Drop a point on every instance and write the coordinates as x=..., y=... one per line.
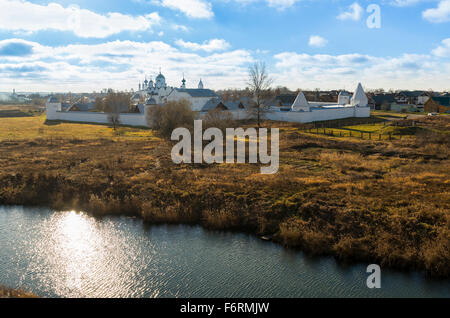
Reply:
x=183, y=82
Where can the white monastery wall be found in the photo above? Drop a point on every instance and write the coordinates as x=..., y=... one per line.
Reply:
x=286, y=116
x=138, y=120
x=307, y=117
x=319, y=114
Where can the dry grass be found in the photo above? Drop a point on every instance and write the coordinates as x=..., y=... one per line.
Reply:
x=358, y=200
x=14, y=293
x=32, y=128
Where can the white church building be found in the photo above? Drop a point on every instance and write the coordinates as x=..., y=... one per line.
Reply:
x=151, y=93
x=158, y=93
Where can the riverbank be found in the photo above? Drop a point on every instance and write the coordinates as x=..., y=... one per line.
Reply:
x=358, y=200
x=14, y=293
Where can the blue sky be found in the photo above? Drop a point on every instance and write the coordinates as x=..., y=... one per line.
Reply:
x=89, y=45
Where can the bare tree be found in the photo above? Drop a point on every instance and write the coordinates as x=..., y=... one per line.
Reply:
x=99, y=104
x=259, y=85
x=114, y=104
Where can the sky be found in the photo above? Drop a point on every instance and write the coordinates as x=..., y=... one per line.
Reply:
x=85, y=46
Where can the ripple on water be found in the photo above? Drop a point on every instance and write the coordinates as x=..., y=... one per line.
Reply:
x=69, y=254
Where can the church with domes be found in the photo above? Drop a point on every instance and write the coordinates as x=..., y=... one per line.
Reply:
x=158, y=93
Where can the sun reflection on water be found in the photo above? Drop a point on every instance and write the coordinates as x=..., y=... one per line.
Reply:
x=83, y=255
x=77, y=248
x=74, y=223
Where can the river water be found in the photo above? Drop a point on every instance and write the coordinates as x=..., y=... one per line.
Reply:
x=69, y=254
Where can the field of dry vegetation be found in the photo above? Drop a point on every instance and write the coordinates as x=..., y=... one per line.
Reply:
x=14, y=293
x=359, y=200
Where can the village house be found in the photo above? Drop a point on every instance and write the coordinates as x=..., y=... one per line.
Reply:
x=439, y=104
x=423, y=98
x=408, y=97
x=382, y=101
x=405, y=107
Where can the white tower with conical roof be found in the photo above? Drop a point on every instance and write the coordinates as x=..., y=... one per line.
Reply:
x=344, y=98
x=300, y=103
x=200, y=84
x=359, y=97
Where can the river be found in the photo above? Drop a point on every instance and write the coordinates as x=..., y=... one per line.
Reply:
x=69, y=254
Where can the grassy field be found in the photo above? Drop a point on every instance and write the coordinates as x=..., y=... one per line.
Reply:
x=13, y=129
x=375, y=128
x=391, y=113
x=11, y=111
x=385, y=202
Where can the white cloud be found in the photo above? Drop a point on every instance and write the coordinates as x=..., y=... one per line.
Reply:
x=116, y=64
x=444, y=49
x=439, y=14
x=354, y=13
x=281, y=4
x=30, y=66
x=337, y=71
x=405, y=3
x=207, y=46
x=199, y=9
x=317, y=41
x=25, y=16
x=278, y=4
x=180, y=27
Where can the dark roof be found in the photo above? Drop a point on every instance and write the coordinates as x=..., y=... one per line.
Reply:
x=286, y=99
x=442, y=100
x=211, y=104
x=198, y=92
x=411, y=93
x=381, y=99
x=65, y=106
x=234, y=105
x=228, y=105
x=82, y=107
x=53, y=99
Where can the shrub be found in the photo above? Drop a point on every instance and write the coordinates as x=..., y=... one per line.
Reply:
x=221, y=219
x=14, y=293
x=165, y=119
x=221, y=119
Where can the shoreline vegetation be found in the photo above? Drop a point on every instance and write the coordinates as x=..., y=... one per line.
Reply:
x=14, y=293
x=377, y=201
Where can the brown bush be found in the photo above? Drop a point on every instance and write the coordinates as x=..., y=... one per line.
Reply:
x=165, y=119
x=14, y=293
x=221, y=119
